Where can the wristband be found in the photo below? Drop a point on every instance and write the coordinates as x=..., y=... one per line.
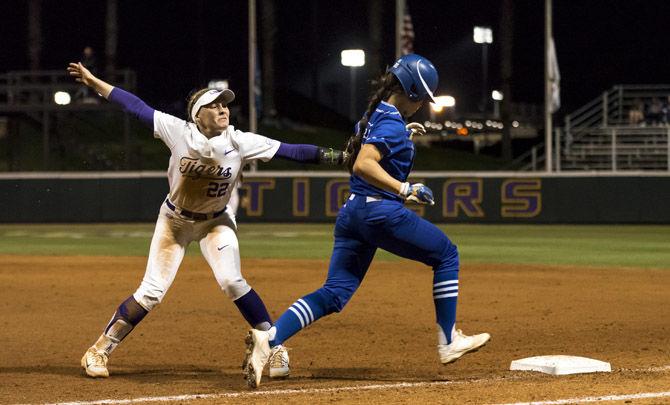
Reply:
x=404, y=190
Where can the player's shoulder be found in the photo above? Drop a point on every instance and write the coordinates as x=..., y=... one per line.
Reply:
x=235, y=134
x=387, y=126
x=169, y=119
x=387, y=110
x=386, y=113
x=241, y=139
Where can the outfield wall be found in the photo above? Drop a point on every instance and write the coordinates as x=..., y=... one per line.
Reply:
x=469, y=197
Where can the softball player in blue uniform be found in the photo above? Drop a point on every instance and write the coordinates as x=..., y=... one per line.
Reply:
x=380, y=158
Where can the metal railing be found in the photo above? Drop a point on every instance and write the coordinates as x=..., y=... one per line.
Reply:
x=33, y=91
x=601, y=135
x=618, y=148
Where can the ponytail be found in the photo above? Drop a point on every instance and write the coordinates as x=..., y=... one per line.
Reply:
x=389, y=85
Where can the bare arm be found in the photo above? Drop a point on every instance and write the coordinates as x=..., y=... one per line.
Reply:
x=128, y=101
x=367, y=166
x=83, y=75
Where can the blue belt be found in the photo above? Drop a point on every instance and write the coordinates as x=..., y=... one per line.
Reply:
x=198, y=216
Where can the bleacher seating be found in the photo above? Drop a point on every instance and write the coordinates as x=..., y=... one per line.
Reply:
x=601, y=136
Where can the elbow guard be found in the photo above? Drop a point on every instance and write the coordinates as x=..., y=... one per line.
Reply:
x=331, y=156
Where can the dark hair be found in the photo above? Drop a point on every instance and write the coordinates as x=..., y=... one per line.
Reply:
x=388, y=84
x=190, y=100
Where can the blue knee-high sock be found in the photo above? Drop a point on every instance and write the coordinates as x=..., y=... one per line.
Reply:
x=253, y=310
x=298, y=316
x=445, y=296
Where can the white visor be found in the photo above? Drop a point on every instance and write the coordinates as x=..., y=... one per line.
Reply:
x=226, y=96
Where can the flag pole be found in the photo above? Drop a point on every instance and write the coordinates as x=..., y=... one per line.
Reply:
x=252, y=72
x=399, y=18
x=548, y=124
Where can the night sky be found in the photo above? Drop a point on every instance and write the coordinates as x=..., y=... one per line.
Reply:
x=176, y=46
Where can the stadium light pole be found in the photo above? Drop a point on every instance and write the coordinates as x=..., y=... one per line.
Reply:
x=352, y=58
x=497, y=97
x=483, y=36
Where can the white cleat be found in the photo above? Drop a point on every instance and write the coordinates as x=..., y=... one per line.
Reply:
x=95, y=363
x=279, y=366
x=460, y=345
x=258, y=353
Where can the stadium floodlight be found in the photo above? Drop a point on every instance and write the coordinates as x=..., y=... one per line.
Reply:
x=482, y=35
x=442, y=102
x=352, y=57
x=62, y=98
x=497, y=95
x=219, y=84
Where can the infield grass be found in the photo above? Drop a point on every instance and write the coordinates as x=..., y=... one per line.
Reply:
x=583, y=245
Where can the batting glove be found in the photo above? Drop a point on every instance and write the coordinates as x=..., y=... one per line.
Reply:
x=417, y=193
x=415, y=129
x=331, y=156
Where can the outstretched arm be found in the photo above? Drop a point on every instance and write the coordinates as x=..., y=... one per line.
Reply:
x=128, y=101
x=309, y=154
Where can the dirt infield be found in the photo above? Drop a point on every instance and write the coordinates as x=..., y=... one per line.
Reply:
x=381, y=349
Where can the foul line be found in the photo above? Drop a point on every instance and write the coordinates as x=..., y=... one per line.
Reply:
x=605, y=398
x=242, y=394
x=261, y=393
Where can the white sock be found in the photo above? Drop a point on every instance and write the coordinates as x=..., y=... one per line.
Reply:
x=441, y=337
x=106, y=344
x=272, y=332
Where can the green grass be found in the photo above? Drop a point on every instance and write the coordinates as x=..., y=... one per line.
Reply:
x=602, y=246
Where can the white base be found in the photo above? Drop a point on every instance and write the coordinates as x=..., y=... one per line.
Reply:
x=560, y=365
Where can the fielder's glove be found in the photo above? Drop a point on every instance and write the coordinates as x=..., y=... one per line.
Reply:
x=415, y=129
x=331, y=156
x=417, y=193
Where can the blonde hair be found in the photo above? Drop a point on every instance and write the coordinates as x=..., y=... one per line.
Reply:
x=191, y=100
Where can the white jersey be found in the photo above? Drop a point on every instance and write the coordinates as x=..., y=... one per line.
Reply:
x=203, y=172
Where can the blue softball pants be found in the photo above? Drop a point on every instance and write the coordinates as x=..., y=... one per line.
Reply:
x=363, y=225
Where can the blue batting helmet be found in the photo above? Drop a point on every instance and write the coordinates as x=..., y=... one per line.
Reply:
x=417, y=75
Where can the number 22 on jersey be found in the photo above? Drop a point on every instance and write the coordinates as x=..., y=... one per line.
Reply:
x=217, y=189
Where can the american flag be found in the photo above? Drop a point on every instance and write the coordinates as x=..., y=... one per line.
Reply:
x=407, y=34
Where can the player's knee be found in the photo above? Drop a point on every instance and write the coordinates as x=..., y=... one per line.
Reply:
x=449, y=259
x=336, y=298
x=234, y=288
x=149, y=299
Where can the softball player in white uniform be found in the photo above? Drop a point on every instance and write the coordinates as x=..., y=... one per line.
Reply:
x=207, y=157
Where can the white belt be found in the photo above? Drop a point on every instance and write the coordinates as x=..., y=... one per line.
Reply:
x=370, y=198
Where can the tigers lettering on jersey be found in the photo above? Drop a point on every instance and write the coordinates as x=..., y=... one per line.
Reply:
x=191, y=167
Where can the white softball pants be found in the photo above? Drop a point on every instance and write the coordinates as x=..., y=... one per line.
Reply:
x=173, y=233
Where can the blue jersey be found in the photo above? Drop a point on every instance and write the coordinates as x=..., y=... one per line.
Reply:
x=386, y=130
